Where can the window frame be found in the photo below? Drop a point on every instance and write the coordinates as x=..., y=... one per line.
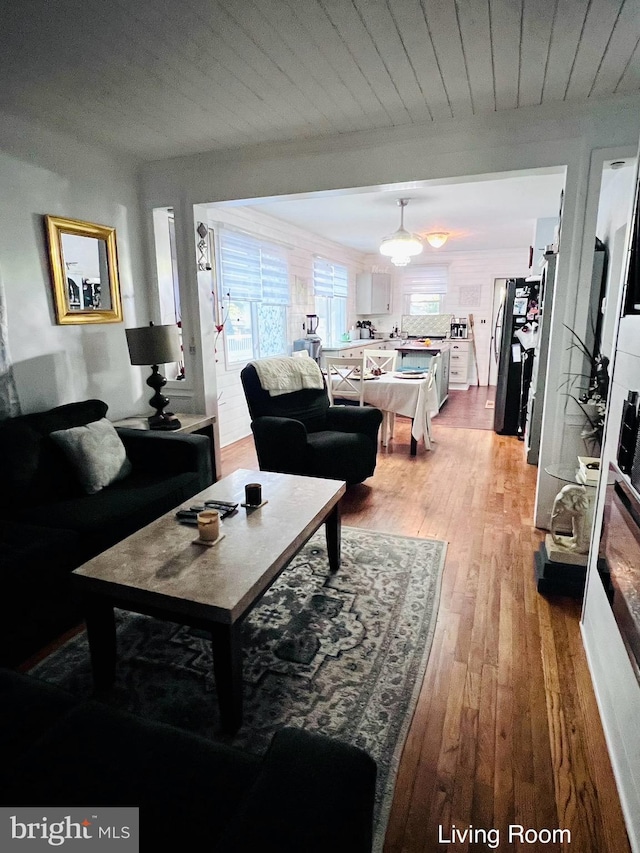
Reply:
x=334, y=288
x=424, y=280
x=267, y=249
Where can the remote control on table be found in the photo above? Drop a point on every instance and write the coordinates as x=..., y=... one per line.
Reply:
x=190, y=516
x=225, y=508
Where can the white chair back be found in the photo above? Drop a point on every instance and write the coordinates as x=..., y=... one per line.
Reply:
x=301, y=353
x=385, y=359
x=432, y=392
x=344, y=379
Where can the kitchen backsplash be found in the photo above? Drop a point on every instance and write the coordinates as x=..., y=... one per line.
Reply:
x=425, y=325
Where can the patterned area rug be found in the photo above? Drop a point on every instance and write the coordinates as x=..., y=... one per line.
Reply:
x=342, y=654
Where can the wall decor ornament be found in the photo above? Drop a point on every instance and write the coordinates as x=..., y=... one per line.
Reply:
x=84, y=271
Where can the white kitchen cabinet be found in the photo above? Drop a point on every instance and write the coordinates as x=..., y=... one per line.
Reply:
x=356, y=350
x=373, y=293
x=461, y=372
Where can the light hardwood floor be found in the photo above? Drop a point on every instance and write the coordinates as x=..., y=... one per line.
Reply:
x=507, y=729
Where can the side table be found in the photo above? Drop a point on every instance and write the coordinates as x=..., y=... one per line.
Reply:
x=200, y=424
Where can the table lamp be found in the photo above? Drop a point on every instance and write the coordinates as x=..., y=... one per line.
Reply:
x=154, y=345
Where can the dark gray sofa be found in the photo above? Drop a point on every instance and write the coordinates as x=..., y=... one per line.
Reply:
x=49, y=525
x=308, y=793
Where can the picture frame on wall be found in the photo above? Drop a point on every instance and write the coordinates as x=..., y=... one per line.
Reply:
x=84, y=271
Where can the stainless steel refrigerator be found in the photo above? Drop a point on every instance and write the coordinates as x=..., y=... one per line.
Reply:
x=514, y=340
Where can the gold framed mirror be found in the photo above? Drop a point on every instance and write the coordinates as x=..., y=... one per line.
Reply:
x=84, y=271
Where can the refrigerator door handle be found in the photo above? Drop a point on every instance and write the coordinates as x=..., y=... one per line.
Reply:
x=497, y=329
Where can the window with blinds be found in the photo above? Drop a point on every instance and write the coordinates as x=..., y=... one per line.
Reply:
x=253, y=278
x=330, y=290
x=424, y=288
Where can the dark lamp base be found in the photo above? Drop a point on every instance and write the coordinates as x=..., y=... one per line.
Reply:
x=164, y=421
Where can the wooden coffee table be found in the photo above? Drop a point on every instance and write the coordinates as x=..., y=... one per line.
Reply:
x=161, y=572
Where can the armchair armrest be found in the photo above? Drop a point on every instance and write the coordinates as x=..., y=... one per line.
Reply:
x=364, y=419
x=281, y=444
x=313, y=793
x=176, y=453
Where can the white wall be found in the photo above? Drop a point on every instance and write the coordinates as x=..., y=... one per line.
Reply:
x=469, y=273
x=43, y=172
x=233, y=415
x=616, y=686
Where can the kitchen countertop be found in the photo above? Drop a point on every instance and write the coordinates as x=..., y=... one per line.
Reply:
x=436, y=344
x=359, y=342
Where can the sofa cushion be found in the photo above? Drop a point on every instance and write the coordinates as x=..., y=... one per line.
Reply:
x=96, y=452
x=343, y=459
x=67, y=416
x=37, y=466
x=97, y=755
x=20, y=447
x=118, y=510
x=29, y=707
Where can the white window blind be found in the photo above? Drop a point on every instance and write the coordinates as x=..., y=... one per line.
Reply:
x=329, y=279
x=252, y=270
x=430, y=279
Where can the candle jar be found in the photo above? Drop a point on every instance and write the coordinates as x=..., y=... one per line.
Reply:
x=209, y=525
x=253, y=494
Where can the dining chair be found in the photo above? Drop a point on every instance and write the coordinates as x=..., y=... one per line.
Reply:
x=432, y=375
x=344, y=379
x=386, y=360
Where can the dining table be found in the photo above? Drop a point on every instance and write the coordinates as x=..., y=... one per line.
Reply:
x=406, y=394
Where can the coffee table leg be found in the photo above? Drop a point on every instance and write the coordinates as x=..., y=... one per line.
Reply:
x=227, y=668
x=101, y=633
x=333, y=531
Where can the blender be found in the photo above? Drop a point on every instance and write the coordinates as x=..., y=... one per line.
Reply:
x=313, y=342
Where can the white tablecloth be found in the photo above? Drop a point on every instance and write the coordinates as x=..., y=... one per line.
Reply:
x=409, y=397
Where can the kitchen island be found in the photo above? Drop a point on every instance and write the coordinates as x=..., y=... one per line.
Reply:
x=414, y=354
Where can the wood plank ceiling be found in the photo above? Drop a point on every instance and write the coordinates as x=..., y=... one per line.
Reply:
x=159, y=78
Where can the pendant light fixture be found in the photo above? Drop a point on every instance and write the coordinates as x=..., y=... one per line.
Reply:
x=437, y=238
x=401, y=246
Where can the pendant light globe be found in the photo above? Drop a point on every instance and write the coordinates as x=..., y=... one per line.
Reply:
x=401, y=246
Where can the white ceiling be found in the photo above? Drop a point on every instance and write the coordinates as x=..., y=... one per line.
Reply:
x=159, y=78
x=480, y=213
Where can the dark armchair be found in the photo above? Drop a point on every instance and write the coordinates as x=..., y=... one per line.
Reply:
x=300, y=433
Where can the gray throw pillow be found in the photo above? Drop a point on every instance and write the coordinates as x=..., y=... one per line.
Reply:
x=96, y=452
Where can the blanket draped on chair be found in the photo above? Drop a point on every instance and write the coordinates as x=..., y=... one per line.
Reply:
x=282, y=375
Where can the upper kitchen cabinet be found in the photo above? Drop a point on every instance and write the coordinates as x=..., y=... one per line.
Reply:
x=373, y=293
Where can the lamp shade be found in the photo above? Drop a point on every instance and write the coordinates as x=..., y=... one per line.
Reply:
x=153, y=344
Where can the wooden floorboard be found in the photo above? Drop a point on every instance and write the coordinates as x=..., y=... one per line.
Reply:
x=506, y=730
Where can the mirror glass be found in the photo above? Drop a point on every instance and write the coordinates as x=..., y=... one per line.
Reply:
x=84, y=271
x=85, y=262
